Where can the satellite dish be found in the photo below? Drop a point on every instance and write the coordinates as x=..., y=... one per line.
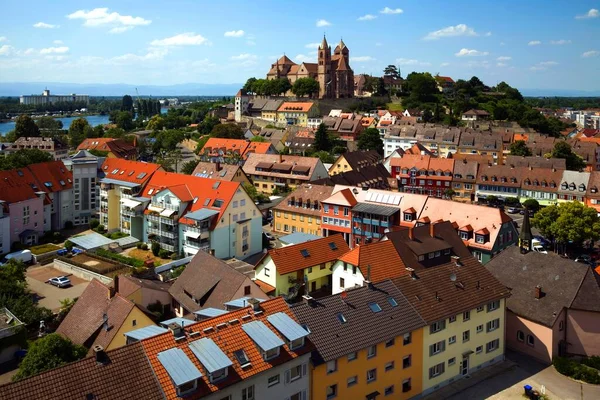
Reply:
x=453, y=277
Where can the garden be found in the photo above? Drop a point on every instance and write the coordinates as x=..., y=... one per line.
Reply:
x=586, y=369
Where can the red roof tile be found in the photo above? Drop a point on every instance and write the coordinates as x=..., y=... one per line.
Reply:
x=129, y=171
x=381, y=257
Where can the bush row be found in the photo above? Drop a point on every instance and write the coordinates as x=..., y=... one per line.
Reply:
x=133, y=262
x=580, y=371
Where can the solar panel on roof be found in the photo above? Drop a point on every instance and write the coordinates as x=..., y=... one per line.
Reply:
x=287, y=326
x=210, y=355
x=179, y=367
x=370, y=196
x=385, y=198
x=216, y=185
x=262, y=335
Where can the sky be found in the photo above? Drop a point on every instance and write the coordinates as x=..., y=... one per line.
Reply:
x=527, y=43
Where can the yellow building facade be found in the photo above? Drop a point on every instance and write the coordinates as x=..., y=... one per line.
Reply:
x=135, y=320
x=296, y=221
x=296, y=113
x=300, y=211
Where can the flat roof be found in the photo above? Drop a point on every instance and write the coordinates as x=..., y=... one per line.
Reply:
x=91, y=240
x=183, y=322
x=210, y=312
x=298, y=237
x=121, y=183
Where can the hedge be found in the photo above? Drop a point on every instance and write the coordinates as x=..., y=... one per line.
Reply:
x=575, y=370
x=133, y=262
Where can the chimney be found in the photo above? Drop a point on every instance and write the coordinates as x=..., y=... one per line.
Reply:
x=116, y=284
x=432, y=229
x=538, y=292
x=101, y=357
x=254, y=303
x=176, y=330
x=218, y=166
x=280, y=158
x=411, y=234
x=307, y=299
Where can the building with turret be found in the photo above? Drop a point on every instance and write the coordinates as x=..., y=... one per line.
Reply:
x=333, y=72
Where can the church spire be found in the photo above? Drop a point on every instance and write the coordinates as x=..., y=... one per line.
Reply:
x=342, y=44
x=525, y=237
x=324, y=44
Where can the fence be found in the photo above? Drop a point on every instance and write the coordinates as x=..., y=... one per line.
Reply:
x=69, y=267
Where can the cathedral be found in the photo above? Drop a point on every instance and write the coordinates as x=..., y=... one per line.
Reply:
x=333, y=72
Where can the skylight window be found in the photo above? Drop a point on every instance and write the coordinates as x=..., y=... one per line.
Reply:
x=48, y=184
x=392, y=302
x=115, y=171
x=242, y=358
x=20, y=172
x=141, y=175
x=332, y=246
x=216, y=185
x=218, y=203
x=130, y=173
x=375, y=307
x=150, y=191
x=341, y=318
x=62, y=183
x=304, y=253
x=206, y=202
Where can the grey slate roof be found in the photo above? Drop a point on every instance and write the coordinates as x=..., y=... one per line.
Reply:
x=363, y=327
x=564, y=283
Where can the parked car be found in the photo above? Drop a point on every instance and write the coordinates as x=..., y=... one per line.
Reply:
x=545, y=242
x=269, y=236
x=60, y=281
x=537, y=246
x=512, y=210
x=24, y=256
x=584, y=258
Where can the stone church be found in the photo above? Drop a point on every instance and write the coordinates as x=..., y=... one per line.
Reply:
x=333, y=72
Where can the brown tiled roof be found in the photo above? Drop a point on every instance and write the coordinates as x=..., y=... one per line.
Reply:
x=489, y=172
x=211, y=282
x=476, y=112
x=254, y=158
x=289, y=259
x=229, y=337
x=221, y=172
x=129, y=171
x=536, y=162
x=119, y=147
x=127, y=375
x=540, y=179
x=463, y=168
x=84, y=323
x=436, y=296
x=359, y=159
x=593, y=186
x=377, y=261
x=373, y=176
x=306, y=192
x=363, y=327
x=128, y=285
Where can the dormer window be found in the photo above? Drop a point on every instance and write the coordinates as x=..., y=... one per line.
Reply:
x=572, y=186
x=544, y=184
x=269, y=354
x=294, y=344
x=536, y=183
x=582, y=187
x=464, y=235
x=470, y=176
x=503, y=179
x=494, y=179
x=594, y=190
x=527, y=181
x=218, y=375
x=480, y=239
x=484, y=177
x=552, y=184
x=408, y=216
x=564, y=186
x=513, y=180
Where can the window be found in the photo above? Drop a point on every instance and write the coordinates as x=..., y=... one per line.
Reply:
x=406, y=361
x=341, y=318
x=466, y=336
x=332, y=391
x=353, y=380
x=374, y=307
x=495, y=324
x=390, y=343
x=520, y=336
x=452, y=319
x=561, y=325
x=346, y=211
x=452, y=339
x=407, y=339
x=267, y=272
x=436, y=370
x=480, y=309
x=479, y=239
x=354, y=270
x=406, y=385
x=294, y=344
x=389, y=366
x=452, y=361
x=492, y=346
x=186, y=387
x=388, y=390
x=372, y=351
x=342, y=283
x=392, y=302
x=466, y=316
x=248, y=393
x=271, y=353
x=479, y=349
x=331, y=366
x=352, y=356
x=247, y=290
x=371, y=375
x=530, y=341
x=464, y=235
x=272, y=381
x=494, y=305
x=437, y=348
x=479, y=328
x=437, y=326
x=134, y=322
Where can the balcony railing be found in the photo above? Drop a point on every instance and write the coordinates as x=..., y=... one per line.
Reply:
x=167, y=247
x=131, y=213
x=166, y=206
x=169, y=234
x=154, y=231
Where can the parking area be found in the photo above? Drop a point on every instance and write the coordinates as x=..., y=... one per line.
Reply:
x=50, y=296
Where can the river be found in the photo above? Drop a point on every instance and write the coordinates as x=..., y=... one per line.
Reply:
x=93, y=120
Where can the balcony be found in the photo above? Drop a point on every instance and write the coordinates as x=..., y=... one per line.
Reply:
x=366, y=221
x=204, y=246
x=154, y=231
x=385, y=224
x=357, y=219
x=131, y=212
x=167, y=247
x=166, y=206
x=357, y=231
x=170, y=234
x=375, y=222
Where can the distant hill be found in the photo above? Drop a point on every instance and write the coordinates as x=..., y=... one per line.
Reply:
x=96, y=89
x=559, y=93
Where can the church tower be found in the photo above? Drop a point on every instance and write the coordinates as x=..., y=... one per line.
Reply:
x=324, y=69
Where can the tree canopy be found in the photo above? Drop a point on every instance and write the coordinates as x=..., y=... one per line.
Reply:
x=127, y=103
x=25, y=127
x=370, y=140
x=322, y=141
x=267, y=87
x=519, y=148
x=47, y=353
x=189, y=167
x=227, y=131
x=305, y=87
x=568, y=222
x=49, y=123
x=22, y=158
x=391, y=70
x=562, y=149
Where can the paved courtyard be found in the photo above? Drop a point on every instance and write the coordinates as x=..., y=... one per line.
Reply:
x=50, y=296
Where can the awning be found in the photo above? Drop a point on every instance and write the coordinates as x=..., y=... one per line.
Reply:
x=130, y=203
x=155, y=209
x=467, y=353
x=193, y=235
x=167, y=213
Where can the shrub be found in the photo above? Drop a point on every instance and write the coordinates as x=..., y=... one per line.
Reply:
x=575, y=370
x=57, y=237
x=593, y=361
x=175, y=256
x=69, y=245
x=162, y=253
x=132, y=262
x=100, y=228
x=94, y=223
x=155, y=248
x=138, y=246
x=144, y=246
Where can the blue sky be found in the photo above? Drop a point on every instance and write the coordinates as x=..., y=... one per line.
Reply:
x=529, y=44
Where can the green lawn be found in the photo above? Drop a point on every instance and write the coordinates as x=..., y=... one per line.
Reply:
x=44, y=248
x=394, y=107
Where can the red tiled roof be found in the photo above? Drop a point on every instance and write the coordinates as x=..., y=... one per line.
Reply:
x=229, y=337
x=265, y=286
x=381, y=257
x=53, y=172
x=467, y=228
x=295, y=106
x=483, y=231
x=129, y=171
x=410, y=210
x=213, y=145
x=14, y=189
x=290, y=259
x=257, y=147
x=118, y=147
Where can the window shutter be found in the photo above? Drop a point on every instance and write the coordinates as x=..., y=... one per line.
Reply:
x=430, y=353
x=430, y=372
x=443, y=345
x=443, y=367
x=304, y=367
x=304, y=395
x=287, y=377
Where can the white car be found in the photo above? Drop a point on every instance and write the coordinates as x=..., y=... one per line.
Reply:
x=60, y=281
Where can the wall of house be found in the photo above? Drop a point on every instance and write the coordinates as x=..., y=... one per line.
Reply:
x=339, y=166
x=265, y=271
x=135, y=320
x=583, y=331
x=66, y=206
x=543, y=347
x=114, y=209
x=319, y=172
x=18, y=223
x=4, y=233
x=318, y=275
x=321, y=380
x=457, y=349
x=295, y=221
x=255, y=291
x=350, y=279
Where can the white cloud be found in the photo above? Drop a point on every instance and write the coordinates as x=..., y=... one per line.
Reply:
x=3, y=39
x=55, y=58
x=470, y=52
x=504, y=58
x=501, y=64
x=183, y=39
x=102, y=17
x=6, y=49
x=501, y=43
x=560, y=42
x=409, y=61
x=542, y=66
x=153, y=54
x=488, y=34
x=305, y=58
x=367, y=17
x=534, y=43
x=444, y=64
x=363, y=59
x=44, y=25
x=548, y=63
x=323, y=22
x=238, y=33
x=55, y=50
x=31, y=50
x=478, y=64
x=591, y=53
x=312, y=45
x=537, y=68
x=388, y=10
x=57, y=42
x=244, y=56
x=593, y=13
x=451, y=31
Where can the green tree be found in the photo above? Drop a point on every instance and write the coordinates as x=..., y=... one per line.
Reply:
x=322, y=141
x=562, y=149
x=370, y=140
x=22, y=158
x=253, y=193
x=205, y=127
x=127, y=103
x=282, y=86
x=248, y=86
x=422, y=87
x=531, y=204
x=258, y=139
x=228, y=131
x=305, y=87
x=156, y=123
x=570, y=222
x=124, y=120
x=519, y=148
x=25, y=127
x=155, y=248
x=189, y=167
x=449, y=193
x=49, y=123
x=47, y=353
x=324, y=156
x=392, y=71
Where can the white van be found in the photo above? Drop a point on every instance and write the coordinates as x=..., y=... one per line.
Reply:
x=536, y=245
x=23, y=255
